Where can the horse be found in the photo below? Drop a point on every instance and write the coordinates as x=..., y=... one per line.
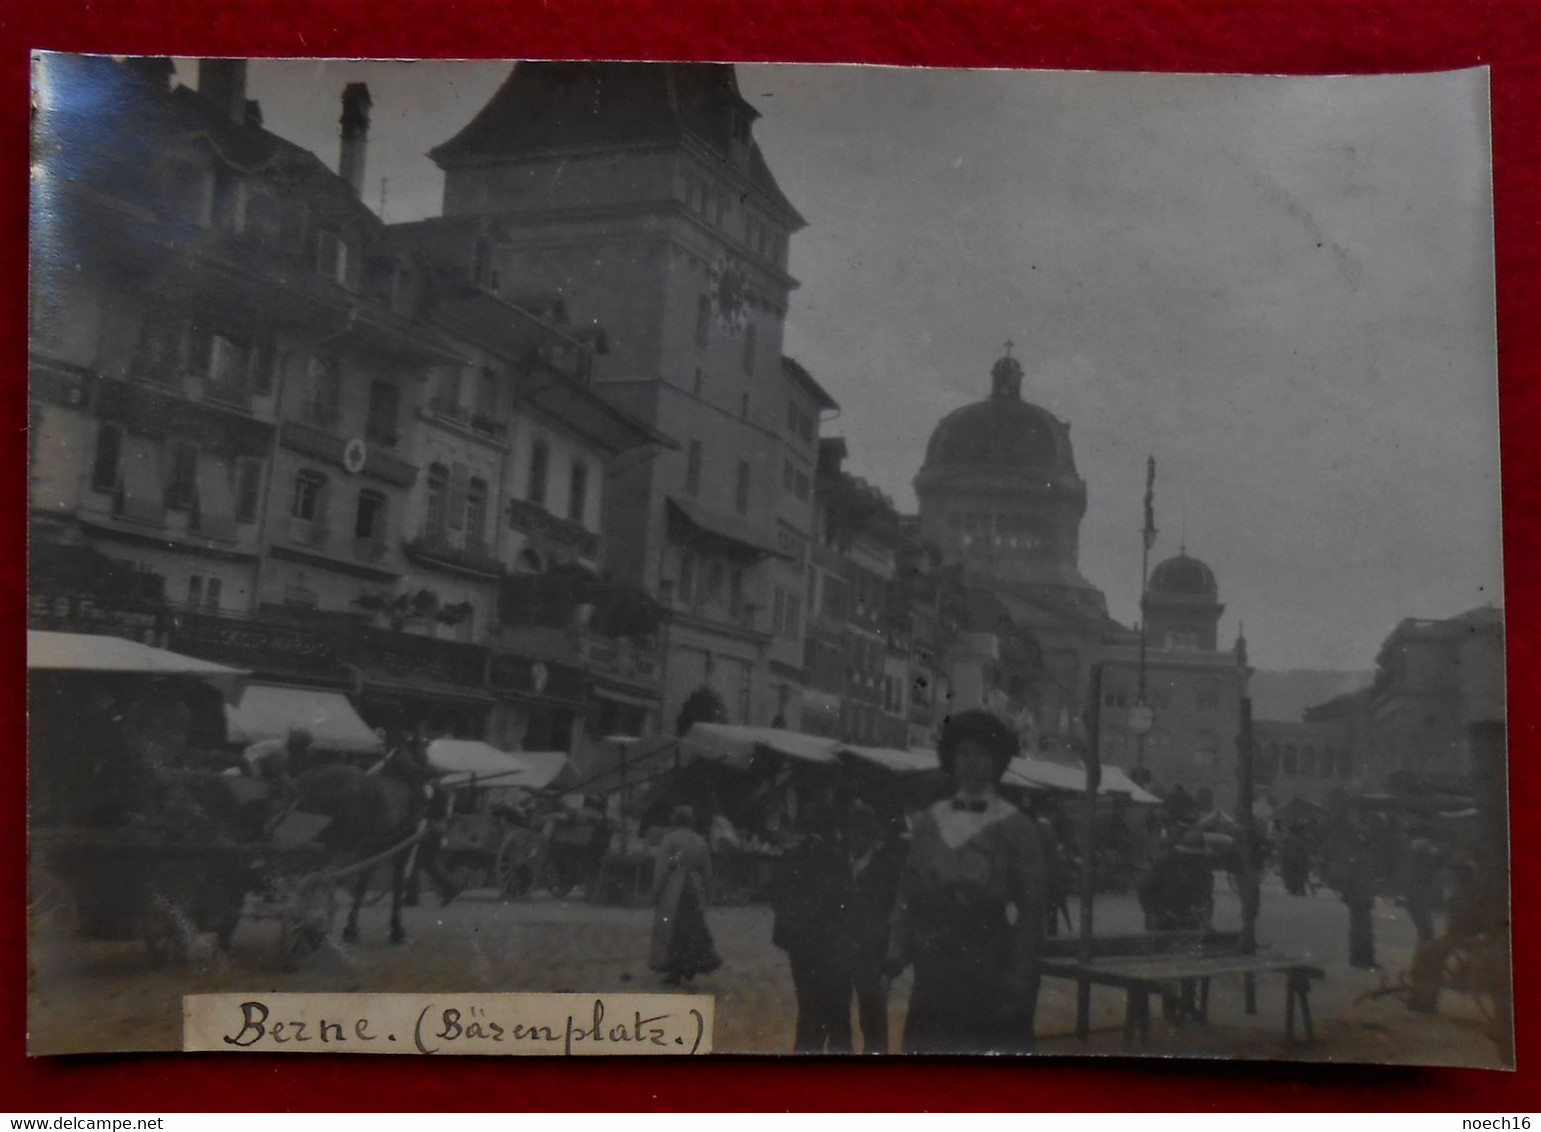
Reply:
x=370, y=813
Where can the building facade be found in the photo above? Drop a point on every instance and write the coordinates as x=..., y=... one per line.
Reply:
x=638, y=194
x=1422, y=725
x=1000, y=496
x=263, y=434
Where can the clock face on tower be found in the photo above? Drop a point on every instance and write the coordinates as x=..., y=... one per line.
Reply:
x=729, y=296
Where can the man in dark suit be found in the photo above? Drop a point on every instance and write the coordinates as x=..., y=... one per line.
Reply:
x=875, y=863
x=811, y=897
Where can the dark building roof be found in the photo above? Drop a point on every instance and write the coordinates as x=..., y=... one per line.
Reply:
x=567, y=106
x=794, y=369
x=106, y=121
x=1183, y=576
x=1002, y=431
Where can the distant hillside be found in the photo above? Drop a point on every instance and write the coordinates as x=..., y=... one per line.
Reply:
x=1285, y=695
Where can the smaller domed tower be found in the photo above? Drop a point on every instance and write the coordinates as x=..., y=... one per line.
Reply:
x=1182, y=605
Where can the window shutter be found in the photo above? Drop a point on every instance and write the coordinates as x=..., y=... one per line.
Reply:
x=323, y=500
x=199, y=345
x=105, y=469
x=264, y=359
x=248, y=487
x=458, y=486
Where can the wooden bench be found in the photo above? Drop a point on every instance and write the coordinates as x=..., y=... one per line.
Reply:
x=1178, y=966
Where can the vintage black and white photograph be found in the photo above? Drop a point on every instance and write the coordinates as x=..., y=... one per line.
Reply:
x=939, y=561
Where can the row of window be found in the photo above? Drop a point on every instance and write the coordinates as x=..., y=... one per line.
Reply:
x=194, y=193
x=714, y=204
x=171, y=346
x=799, y=423
x=237, y=367
x=1004, y=531
x=1206, y=697
x=1307, y=762
x=177, y=473
x=706, y=580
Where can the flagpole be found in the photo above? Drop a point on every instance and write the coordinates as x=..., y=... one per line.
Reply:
x=1147, y=539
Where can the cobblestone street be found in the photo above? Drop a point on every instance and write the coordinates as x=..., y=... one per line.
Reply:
x=108, y=996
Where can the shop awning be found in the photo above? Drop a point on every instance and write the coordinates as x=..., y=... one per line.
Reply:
x=736, y=746
x=460, y=760
x=616, y=762
x=270, y=711
x=889, y=758
x=87, y=652
x=1041, y=774
x=729, y=535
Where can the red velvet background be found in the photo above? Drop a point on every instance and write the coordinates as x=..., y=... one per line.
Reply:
x=1172, y=35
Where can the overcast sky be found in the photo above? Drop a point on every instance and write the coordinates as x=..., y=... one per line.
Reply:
x=1282, y=287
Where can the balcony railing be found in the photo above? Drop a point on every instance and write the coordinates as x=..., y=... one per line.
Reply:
x=534, y=520
x=473, y=557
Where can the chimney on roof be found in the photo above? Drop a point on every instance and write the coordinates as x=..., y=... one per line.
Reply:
x=355, y=135
x=223, y=83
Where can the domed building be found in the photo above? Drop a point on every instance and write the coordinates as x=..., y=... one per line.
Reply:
x=1182, y=604
x=999, y=492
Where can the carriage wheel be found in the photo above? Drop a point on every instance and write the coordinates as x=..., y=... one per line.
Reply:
x=515, y=868
x=308, y=917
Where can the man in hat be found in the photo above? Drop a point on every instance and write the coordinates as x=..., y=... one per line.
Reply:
x=970, y=909
x=277, y=761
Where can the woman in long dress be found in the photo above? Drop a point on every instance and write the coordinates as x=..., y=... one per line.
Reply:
x=682, y=880
x=971, y=906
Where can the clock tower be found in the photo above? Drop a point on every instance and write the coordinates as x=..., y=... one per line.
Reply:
x=638, y=193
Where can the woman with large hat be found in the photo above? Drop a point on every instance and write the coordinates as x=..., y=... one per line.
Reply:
x=971, y=905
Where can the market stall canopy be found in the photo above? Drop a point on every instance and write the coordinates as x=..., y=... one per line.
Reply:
x=458, y=761
x=735, y=746
x=616, y=762
x=900, y=762
x=1039, y=774
x=270, y=711
x=88, y=652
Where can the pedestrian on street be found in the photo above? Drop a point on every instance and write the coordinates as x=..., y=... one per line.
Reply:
x=682, y=883
x=875, y=863
x=812, y=896
x=1356, y=885
x=970, y=910
x=1420, y=881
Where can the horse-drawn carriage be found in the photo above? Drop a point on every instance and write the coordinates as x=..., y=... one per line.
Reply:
x=507, y=830
x=139, y=829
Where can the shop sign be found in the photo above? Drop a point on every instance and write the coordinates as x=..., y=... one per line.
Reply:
x=83, y=613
